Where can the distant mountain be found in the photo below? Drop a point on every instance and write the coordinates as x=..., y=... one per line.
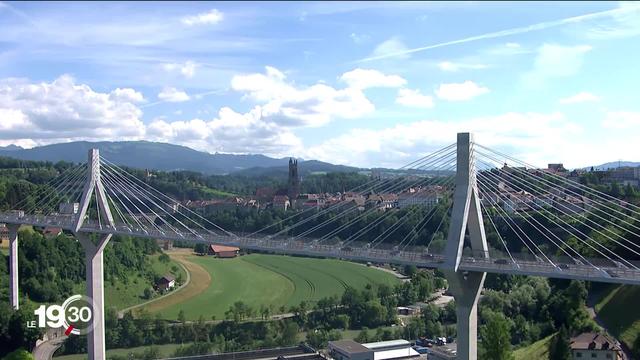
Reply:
x=305, y=168
x=10, y=148
x=146, y=155
x=615, y=164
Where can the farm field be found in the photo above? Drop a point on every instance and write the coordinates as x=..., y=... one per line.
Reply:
x=270, y=280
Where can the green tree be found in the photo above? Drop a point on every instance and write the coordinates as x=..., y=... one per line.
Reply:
x=496, y=338
x=19, y=354
x=636, y=347
x=559, y=347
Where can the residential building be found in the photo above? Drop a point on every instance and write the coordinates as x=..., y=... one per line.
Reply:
x=166, y=282
x=554, y=168
x=595, y=346
x=421, y=198
x=222, y=251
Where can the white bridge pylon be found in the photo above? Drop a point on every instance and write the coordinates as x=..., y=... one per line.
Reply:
x=94, y=259
x=466, y=215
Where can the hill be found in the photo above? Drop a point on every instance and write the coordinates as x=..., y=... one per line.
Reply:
x=305, y=168
x=157, y=156
x=615, y=164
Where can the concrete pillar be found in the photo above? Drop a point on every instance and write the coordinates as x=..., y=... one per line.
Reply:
x=466, y=288
x=466, y=215
x=95, y=290
x=13, y=265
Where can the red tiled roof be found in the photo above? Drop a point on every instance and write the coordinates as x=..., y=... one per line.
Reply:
x=222, y=248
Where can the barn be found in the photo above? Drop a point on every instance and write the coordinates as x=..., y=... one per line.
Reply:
x=222, y=251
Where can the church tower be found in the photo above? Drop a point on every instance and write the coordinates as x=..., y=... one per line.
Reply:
x=293, y=184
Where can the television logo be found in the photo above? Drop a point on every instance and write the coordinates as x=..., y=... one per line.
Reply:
x=74, y=315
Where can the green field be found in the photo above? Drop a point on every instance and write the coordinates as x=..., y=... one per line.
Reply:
x=619, y=311
x=539, y=350
x=121, y=295
x=272, y=280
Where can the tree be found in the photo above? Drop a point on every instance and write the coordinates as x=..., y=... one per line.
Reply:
x=181, y=316
x=559, y=347
x=200, y=248
x=636, y=347
x=19, y=354
x=496, y=338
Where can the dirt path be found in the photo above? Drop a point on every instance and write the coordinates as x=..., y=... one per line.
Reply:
x=198, y=280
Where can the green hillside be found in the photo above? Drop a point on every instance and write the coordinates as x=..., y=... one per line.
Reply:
x=272, y=280
x=620, y=311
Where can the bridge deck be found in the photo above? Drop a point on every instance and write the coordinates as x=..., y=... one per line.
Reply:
x=523, y=265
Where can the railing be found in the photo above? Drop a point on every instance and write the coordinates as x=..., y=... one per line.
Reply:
x=526, y=264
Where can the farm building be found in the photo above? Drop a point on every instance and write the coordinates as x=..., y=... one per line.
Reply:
x=166, y=282
x=222, y=251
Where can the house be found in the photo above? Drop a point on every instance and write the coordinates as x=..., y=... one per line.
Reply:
x=164, y=244
x=51, y=232
x=222, y=251
x=427, y=199
x=281, y=202
x=595, y=346
x=166, y=282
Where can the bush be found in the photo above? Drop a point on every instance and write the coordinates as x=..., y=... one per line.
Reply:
x=19, y=354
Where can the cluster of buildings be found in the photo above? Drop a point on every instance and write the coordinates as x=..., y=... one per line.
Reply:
x=291, y=198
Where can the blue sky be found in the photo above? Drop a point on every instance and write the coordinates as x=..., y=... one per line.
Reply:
x=367, y=84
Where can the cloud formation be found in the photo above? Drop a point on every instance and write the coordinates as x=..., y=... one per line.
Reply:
x=210, y=17
x=368, y=78
x=62, y=109
x=580, y=97
x=171, y=94
x=460, y=91
x=414, y=98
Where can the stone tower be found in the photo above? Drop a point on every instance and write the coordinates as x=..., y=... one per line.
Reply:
x=293, y=184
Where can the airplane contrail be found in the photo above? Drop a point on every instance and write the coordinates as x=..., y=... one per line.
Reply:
x=514, y=31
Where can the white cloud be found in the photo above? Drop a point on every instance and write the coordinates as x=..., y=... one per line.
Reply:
x=286, y=104
x=533, y=137
x=460, y=91
x=62, y=110
x=210, y=17
x=452, y=66
x=627, y=8
x=393, y=47
x=368, y=78
x=359, y=38
x=414, y=98
x=187, y=69
x=171, y=94
x=555, y=61
x=622, y=120
x=625, y=23
x=580, y=97
x=229, y=132
x=127, y=94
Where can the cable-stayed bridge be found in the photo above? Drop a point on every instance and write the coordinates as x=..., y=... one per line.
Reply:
x=479, y=211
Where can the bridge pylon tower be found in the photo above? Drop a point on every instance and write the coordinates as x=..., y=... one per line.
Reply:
x=94, y=252
x=466, y=216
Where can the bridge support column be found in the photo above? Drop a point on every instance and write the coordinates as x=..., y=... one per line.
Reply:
x=95, y=290
x=466, y=216
x=13, y=265
x=466, y=288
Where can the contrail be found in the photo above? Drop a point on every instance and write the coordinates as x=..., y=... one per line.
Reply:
x=514, y=31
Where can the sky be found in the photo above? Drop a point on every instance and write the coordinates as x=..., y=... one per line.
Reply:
x=363, y=83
